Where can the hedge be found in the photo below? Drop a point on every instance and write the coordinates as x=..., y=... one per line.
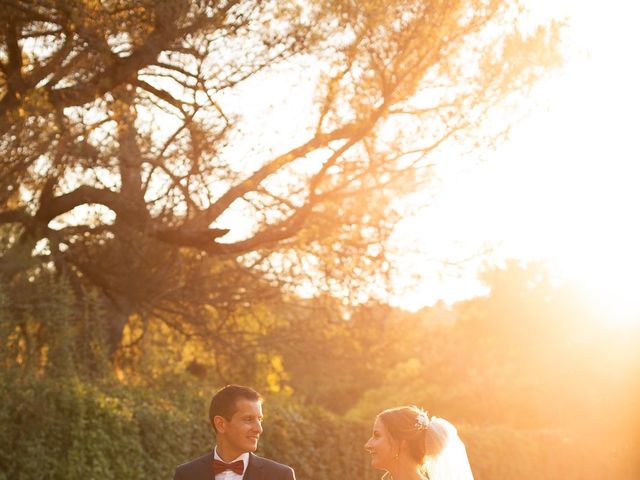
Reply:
x=67, y=429
x=71, y=430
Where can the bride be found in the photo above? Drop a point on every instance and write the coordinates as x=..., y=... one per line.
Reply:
x=411, y=446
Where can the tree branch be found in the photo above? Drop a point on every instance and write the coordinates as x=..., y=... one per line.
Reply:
x=208, y=215
x=19, y=215
x=161, y=94
x=51, y=207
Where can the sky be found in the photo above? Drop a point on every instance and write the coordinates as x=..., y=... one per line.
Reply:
x=562, y=188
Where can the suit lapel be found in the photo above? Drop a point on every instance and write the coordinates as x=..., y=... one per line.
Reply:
x=254, y=468
x=207, y=467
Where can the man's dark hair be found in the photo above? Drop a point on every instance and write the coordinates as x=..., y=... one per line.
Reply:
x=223, y=402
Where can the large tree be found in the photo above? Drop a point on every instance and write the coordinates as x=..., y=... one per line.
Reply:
x=133, y=165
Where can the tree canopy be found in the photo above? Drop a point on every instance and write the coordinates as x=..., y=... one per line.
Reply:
x=129, y=169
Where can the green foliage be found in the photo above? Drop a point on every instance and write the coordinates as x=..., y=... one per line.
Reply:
x=546, y=389
x=505, y=453
x=49, y=325
x=70, y=429
x=75, y=430
x=537, y=387
x=371, y=341
x=305, y=436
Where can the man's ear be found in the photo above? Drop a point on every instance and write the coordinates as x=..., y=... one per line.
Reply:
x=220, y=423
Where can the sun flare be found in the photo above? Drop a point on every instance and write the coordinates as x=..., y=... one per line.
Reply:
x=563, y=188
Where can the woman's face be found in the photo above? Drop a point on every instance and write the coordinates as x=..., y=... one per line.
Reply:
x=381, y=447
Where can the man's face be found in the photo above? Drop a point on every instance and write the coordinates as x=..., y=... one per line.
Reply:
x=240, y=434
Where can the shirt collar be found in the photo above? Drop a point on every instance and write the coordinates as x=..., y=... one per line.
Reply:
x=244, y=457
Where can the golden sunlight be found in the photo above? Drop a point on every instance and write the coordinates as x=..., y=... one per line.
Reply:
x=563, y=188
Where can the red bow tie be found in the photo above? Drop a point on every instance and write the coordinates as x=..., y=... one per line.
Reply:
x=236, y=467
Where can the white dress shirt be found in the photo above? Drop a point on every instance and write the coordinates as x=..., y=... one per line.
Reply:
x=229, y=474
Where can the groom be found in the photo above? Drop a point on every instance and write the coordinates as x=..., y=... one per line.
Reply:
x=236, y=415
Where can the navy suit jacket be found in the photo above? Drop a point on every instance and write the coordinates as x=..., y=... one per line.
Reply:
x=258, y=469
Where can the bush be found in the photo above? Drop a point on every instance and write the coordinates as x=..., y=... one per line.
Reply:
x=74, y=430
x=501, y=453
x=317, y=444
x=69, y=429
x=55, y=429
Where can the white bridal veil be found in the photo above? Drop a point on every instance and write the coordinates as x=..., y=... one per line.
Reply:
x=452, y=462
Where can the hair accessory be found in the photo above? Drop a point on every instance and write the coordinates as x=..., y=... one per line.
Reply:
x=422, y=420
